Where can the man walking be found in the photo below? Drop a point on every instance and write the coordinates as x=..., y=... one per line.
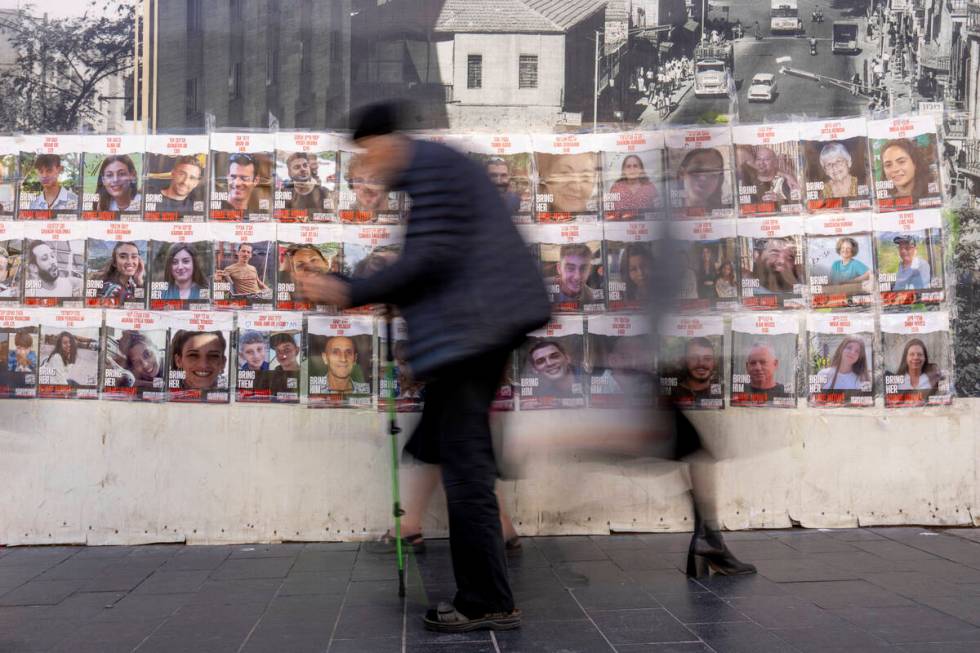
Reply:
x=469, y=291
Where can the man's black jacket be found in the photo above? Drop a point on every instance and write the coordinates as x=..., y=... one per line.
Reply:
x=465, y=281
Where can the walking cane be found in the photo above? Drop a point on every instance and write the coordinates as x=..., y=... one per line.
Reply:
x=393, y=431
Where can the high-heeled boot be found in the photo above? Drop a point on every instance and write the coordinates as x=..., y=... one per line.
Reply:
x=708, y=551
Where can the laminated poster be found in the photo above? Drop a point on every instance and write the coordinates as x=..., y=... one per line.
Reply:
x=551, y=365
x=70, y=341
x=270, y=354
x=112, y=175
x=175, y=180
x=340, y=361
x=242, y=169
x=764, y=359
x=692, y=361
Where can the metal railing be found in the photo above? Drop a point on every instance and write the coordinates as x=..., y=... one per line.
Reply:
x=971, y=157
x=957, y=7
x=973, y=16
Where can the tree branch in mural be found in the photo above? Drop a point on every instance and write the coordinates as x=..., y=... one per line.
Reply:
x=57, y=81
x=965, y=228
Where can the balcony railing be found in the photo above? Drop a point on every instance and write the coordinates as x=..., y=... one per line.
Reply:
x=970, y=162
x=973, y=17
x=956, y=124
x=957, y=7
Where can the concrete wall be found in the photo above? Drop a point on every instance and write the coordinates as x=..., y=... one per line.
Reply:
x=500, y=69
x=114, y=473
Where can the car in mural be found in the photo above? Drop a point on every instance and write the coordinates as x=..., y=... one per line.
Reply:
x=763, y=88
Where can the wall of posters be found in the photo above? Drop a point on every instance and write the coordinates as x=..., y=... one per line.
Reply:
x=757, y=217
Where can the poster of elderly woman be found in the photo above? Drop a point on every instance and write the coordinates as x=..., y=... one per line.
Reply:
x=835, y=155
x=568, y=178
x=905, y=163
x=840, y=259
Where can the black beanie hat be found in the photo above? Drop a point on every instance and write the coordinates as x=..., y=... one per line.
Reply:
x=375, y=120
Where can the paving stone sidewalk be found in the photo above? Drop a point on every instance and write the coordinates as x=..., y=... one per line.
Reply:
x=908, y=590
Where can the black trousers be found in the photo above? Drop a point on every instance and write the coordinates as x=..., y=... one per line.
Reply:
x=455, y=432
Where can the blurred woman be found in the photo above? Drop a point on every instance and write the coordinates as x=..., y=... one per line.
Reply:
x=702, y=177
x=635, y=265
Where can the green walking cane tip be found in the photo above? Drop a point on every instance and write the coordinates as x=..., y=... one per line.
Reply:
x=393, y=431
